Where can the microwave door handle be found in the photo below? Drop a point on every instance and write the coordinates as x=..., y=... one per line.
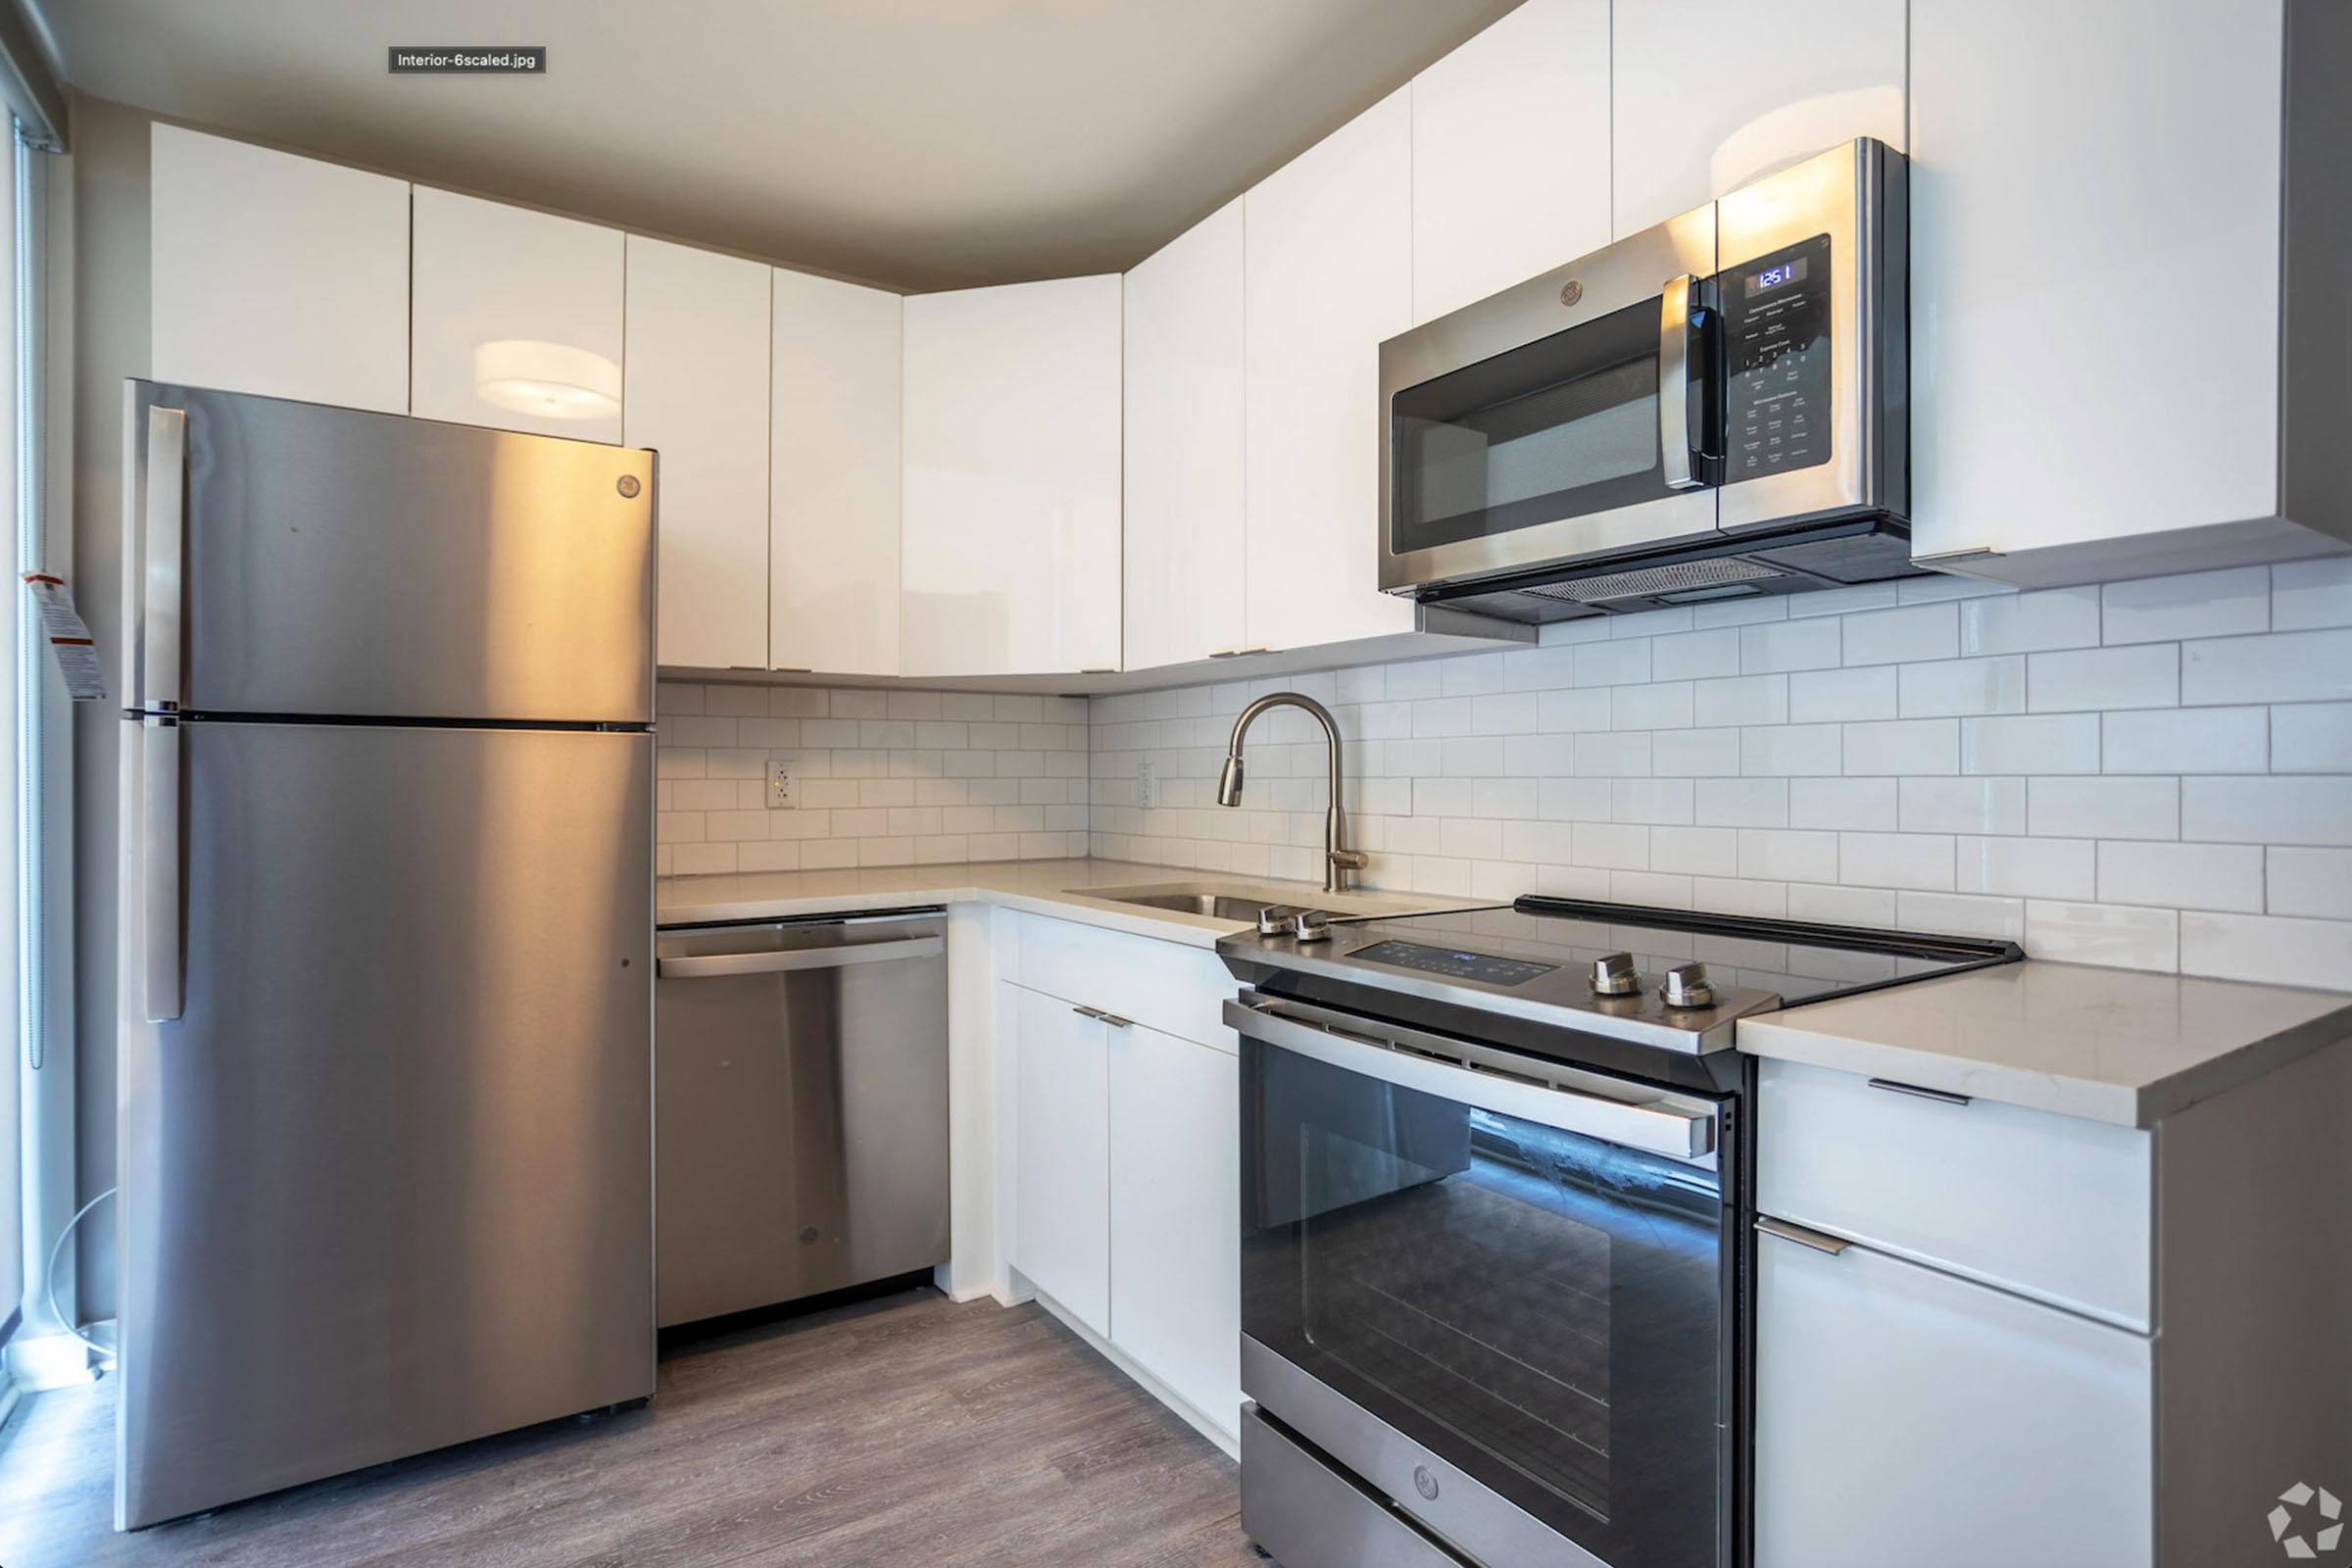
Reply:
x=1676, y=452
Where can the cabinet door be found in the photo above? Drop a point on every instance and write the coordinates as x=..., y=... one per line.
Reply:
x=1711, y=94
x=276, y=274
x=696, y=390
x=1011, y=523
x=833, y=590
x=518, y=318
x=1175, y=1217
x=2094, y=276
x=1185, y=548
x=1329, y=276
x=1894, y=1400
x=1511, y=154
x=1062, y=1157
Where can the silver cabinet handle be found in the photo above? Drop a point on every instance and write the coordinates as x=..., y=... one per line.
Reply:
x=167, y=513
x=1940, y=1096
x=711, y=965
x=1095, y=1013
x=1802, y=1236
x=1674, y=384
x=1115, y=1021
x=159, y=867
x=1238, y=652
x=1660, y=1125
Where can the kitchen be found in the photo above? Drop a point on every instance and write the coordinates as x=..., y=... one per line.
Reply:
x=1360, y=783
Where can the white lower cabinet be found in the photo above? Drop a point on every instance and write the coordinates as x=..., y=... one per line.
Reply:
x=1907, y=1416
x=1175, y=1207
x=1062, y=1152
x=1125, y=1153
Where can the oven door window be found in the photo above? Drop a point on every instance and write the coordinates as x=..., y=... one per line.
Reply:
x=1560, y=427
x=1541, y=1309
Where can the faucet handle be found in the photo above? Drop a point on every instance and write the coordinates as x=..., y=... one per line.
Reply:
x=1350, y=860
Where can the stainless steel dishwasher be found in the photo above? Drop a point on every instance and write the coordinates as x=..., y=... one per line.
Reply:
x=801, y=1107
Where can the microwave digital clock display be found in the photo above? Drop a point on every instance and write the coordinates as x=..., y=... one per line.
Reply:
x=1772, y=277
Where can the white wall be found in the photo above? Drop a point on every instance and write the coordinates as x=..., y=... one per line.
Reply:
x=2156, y=774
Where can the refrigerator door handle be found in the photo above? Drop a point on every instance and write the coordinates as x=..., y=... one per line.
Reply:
x=167, y=513
x=159, y=866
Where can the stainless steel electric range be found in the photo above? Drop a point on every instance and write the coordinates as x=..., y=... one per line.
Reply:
x=1496, y=1226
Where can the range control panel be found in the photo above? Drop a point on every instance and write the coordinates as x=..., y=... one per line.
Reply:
x=1775, y=314
x=1483, y=967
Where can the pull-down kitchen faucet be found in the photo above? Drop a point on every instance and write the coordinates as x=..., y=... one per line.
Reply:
x=1338, y=858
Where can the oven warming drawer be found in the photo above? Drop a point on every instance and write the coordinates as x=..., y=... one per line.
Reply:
x=1308, y=1515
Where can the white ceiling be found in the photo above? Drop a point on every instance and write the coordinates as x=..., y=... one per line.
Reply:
x=921, y=143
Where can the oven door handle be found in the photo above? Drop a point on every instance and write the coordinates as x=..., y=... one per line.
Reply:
x=1678, y=1130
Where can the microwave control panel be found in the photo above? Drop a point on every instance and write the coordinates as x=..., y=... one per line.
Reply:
x=1775, y=316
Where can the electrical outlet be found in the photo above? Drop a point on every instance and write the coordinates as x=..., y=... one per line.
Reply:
x=779, y=781
x=1147, y=783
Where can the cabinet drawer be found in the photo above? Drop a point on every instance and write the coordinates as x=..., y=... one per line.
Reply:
x=1166, y=986
x=2045, y=1205
x=1905, y=1416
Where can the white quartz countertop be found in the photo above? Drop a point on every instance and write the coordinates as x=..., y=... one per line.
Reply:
x=2106, y=1044
x=1068, y=890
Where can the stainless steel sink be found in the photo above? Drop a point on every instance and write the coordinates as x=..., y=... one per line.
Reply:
x=1214, y=906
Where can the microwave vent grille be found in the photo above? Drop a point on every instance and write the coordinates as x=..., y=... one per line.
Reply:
x=1651, y=580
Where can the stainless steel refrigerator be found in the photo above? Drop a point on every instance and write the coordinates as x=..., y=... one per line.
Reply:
x=386, y=955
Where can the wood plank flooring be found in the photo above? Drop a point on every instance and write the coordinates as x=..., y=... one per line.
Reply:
x=904, y=1430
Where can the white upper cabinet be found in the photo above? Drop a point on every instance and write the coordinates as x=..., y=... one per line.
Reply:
x=2100, y=338
x=518, y=318
x=1013, y=481
x=1185, y=532
x=277, y=274
x=1329, y=275
x=1511, y=154
x=833, y=461
x=1712, y=93
x=696, y=391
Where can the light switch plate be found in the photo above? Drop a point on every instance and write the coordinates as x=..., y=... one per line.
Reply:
x=779, y=781
x=1147, y=783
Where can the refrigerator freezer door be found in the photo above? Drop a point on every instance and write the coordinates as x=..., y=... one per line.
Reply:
x=336, y=562
x=386, y=1182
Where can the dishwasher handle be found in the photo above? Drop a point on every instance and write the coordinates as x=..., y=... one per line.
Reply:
x=709, y=965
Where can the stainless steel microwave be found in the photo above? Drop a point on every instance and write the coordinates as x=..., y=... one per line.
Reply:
x=1715, y=407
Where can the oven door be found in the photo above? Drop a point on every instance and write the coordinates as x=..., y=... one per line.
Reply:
x=1497, y=1290
x=1571, y=416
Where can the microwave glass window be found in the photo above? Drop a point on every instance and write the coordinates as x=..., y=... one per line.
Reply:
x=1562, y=426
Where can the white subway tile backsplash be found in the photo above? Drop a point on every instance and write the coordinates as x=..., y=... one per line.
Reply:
x=2085, y=681
x=1966, y=805
x=2030, y=622
x=1899, y=636
x=2104, y=807
x=2310, y=882
x=2203, y=603
x=2182, y=877
x=2288, y=667
x=2185, y=740
x=2270, y=949
x=1818, y=695
x=2103, y=934
x=2310, y=593
x=1962, y=687
x=2035, y=743
x=1934, y=760
x=1904, y=746
x=2277, y=810
x=1777, y=647
x=2311, y=738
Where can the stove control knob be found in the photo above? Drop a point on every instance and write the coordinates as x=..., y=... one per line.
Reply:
x=1311, y=925
x=1274, y=920
x=1614, y=976
x=1687, y=987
